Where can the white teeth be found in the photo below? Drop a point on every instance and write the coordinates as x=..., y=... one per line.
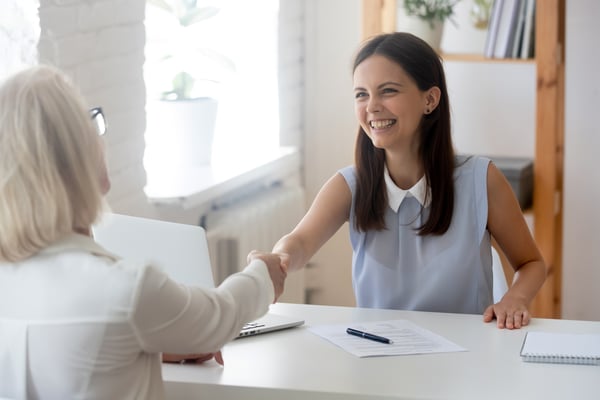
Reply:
x=386, y=123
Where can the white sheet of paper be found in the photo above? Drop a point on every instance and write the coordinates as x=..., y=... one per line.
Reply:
x=407, y=337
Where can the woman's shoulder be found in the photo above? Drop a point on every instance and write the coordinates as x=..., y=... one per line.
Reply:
x=349, y=175
x=80, y=255
x=470, y=163
x=349, y=170
x=92, y=284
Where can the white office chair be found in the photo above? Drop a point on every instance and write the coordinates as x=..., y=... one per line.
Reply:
x=500, y=285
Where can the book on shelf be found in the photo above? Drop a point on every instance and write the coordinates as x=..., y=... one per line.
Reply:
x=527, y=45
x=490, y=40
x=519, y=28
x=506, y=28
x=561, y=348
x=511, y=29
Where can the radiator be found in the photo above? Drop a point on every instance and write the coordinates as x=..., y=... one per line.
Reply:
x=255, y=221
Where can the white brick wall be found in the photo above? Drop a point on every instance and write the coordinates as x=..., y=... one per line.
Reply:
x=291, y=72
x=100, y=44
x=19, y=34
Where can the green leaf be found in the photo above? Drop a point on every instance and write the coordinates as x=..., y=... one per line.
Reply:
x=197, y=15
x=430, y=10
x=183, y=83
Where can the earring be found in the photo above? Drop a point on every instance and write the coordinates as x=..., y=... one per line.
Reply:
x=427, y=111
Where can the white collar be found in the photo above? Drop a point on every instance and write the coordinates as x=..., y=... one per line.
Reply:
x=419, y=191
x=77, y=241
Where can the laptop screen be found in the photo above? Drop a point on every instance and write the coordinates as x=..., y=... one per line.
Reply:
x=180, y=250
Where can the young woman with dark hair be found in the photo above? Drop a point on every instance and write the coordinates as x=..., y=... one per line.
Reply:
x=420, y=217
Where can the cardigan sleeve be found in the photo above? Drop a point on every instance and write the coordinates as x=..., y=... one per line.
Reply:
x=174, y=318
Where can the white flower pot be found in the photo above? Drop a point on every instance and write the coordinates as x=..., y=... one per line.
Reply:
x=180, y=133
x=423, y=29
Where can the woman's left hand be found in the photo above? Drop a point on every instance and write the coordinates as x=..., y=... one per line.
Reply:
x=511, y=313
x=192, y=358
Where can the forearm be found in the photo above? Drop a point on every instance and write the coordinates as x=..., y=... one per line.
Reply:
x=329, y=211
x=528, y=280
x=173, y=318
x=294, y=247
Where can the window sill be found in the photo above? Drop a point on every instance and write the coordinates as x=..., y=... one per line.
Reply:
x=204, y=186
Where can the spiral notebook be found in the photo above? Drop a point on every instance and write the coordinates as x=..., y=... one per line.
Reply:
x=561, y=348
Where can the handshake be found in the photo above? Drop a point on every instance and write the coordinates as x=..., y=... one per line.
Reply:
x=277, y=264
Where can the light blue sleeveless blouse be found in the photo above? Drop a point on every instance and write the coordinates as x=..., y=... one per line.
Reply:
x=398, y=269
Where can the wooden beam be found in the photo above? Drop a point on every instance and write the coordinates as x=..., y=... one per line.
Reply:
x=388, y=16
x=547, y=194
x=371, y=17
x=378, y=16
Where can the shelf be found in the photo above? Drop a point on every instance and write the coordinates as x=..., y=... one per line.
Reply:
x=481, y=58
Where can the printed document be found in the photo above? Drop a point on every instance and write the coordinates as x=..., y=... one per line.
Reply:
x=407, y=337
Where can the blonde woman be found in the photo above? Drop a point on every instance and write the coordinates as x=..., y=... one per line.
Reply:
x=75, y=321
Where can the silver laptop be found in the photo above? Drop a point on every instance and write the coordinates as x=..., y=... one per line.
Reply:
x=180, y=250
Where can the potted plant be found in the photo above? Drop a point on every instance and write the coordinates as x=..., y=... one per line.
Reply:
x=426, y=18
x=183, y=75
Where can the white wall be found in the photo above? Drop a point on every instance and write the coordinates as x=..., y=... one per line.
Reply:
x=291, y=73
x=493, y=107
x=581, y=264
x=332, y=29
x=493, y=103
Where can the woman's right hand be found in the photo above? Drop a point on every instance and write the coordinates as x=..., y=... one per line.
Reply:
x=277, y=271
x=192, y=358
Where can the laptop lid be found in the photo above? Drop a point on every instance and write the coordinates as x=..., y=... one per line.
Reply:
x=180, y=250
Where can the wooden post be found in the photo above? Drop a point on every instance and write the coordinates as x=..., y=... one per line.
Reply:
x=548, y=166
x=378, y=16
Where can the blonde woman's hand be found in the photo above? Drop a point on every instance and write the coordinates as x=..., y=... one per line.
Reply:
x=192, y=358
x=277, y=271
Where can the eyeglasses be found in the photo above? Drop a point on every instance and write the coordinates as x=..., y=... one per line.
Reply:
x=98, y=119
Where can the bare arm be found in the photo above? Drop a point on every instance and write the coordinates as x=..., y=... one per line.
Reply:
x=328, y=212
x=508, y=227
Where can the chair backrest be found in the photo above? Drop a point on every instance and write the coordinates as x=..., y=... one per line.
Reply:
x=500, y=285
x=13, y=359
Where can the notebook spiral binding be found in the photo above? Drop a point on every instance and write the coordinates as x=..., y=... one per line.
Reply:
x=561, y=359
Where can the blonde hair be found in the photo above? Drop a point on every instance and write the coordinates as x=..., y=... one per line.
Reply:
x=50, y=162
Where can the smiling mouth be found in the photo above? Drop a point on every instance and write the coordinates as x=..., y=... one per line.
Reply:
x=383, y=123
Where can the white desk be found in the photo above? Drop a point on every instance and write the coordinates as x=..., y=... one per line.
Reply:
x=296, y=364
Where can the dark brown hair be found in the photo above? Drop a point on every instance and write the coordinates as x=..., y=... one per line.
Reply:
x=423, y=64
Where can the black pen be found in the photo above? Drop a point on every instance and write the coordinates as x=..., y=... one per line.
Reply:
x=370, y=336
